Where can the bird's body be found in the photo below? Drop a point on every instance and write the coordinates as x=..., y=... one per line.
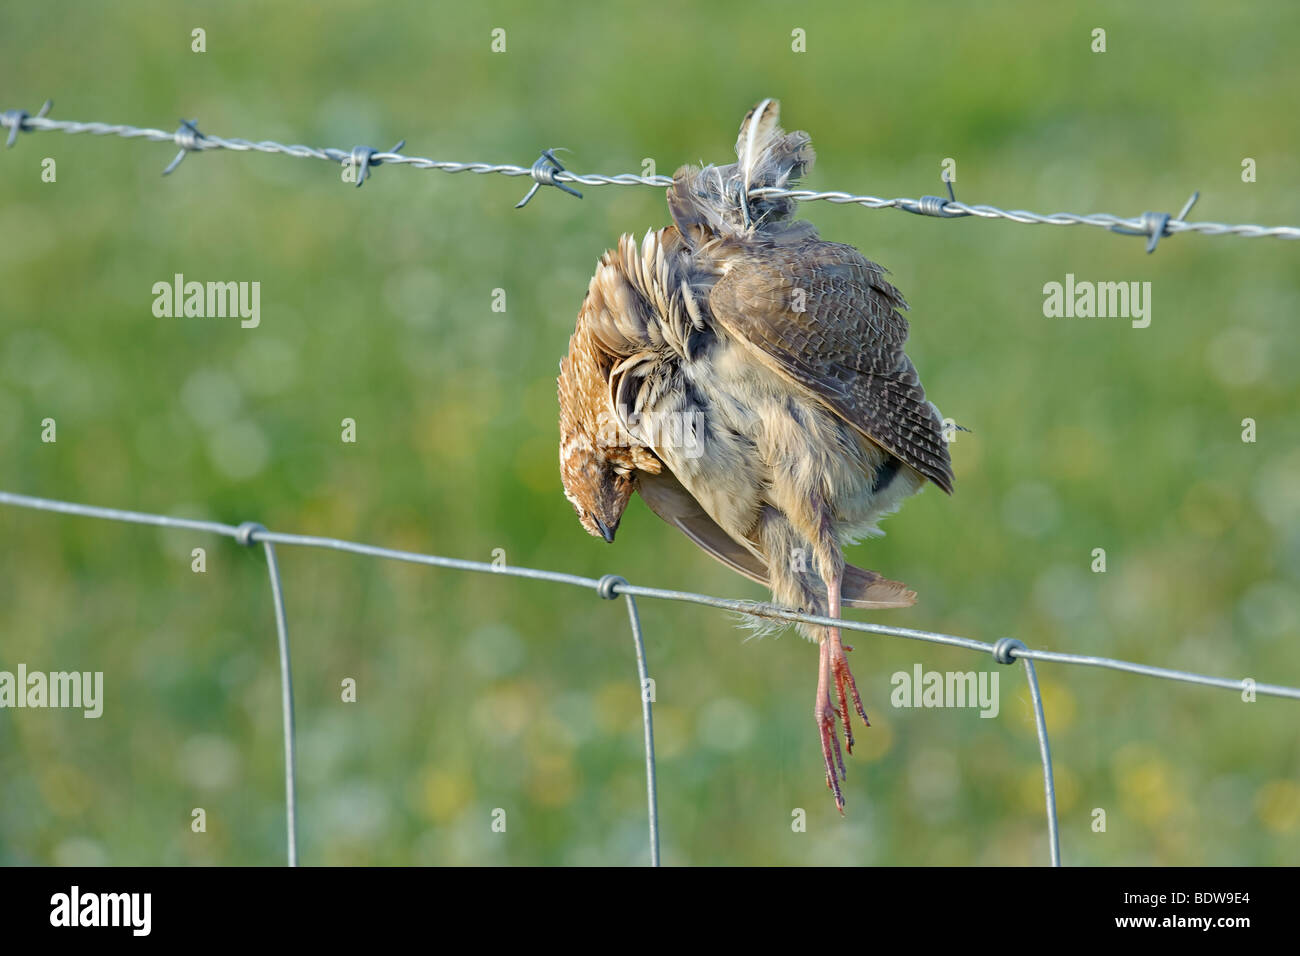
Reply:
x=748, y=380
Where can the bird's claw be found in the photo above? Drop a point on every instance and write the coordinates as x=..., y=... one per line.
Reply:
x=835, y=666
x=831, y=753
x=846, y=687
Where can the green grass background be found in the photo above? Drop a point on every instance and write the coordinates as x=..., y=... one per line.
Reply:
x=480, y=692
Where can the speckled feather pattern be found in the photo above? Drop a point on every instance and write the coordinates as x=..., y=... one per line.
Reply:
x=786, y=355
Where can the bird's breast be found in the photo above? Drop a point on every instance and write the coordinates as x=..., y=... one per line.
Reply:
x=755, y=440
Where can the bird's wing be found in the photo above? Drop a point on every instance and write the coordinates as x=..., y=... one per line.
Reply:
x=845, y=347
x=670, y=500
x=667, y=498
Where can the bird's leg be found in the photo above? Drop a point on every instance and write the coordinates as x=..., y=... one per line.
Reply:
x=834, y=668
x=845, y=686
x=825, y=714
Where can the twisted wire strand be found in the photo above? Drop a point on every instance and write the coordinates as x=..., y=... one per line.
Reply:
x=188, y=139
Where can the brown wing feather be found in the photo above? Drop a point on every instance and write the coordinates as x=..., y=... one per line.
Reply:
x=672, y=502
x=845, y=348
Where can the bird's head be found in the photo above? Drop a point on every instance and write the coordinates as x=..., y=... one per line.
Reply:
x=598, y=490
x=595, y=466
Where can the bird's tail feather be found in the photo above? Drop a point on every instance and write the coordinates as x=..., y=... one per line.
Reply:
x=863, y=588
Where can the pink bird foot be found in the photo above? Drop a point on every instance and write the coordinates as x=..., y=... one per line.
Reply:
x=834, y=668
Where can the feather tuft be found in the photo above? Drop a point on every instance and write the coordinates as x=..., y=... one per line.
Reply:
x=715, y=200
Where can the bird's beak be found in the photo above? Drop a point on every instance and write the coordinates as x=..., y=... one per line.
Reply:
x=606, y=531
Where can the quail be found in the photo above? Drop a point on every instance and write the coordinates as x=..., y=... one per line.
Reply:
x=747, y=379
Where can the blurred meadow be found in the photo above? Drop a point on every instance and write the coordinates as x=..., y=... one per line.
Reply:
x=478, y=692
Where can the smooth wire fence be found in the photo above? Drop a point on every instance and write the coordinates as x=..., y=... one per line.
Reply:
x=549, y=171
x=1004, y=651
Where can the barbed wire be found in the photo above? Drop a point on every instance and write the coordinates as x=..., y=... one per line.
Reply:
x=549, y=171
x=1004, y=651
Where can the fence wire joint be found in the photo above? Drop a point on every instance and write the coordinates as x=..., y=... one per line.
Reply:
x=1003, y=650
x=363, y=159
x=1155, y=225
x=244, y=534
x=543, y=173
x=188, y=138
x=607, y=586
x=935, y=206
x=16, y=120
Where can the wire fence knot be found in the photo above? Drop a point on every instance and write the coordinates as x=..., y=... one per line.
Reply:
x=16, y=121
x=1155, y=225
x=362, y=159
x=1002, y=650
x=607, y=586
x=245, y=532
x=543, y=173
x=936, y=206
x=188, y=138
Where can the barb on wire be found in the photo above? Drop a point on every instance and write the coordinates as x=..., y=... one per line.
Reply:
x=544, y=174
x=1155, y=225
x=1004, y=651
x=187, y=138
x=548, y=171
x=364, y=158
x=19, y=121
x=935, y=205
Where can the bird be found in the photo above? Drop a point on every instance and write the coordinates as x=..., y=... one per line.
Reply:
x=748, y=380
